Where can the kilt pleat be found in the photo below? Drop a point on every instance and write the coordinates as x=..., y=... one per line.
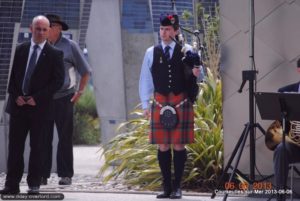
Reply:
x=183, y=133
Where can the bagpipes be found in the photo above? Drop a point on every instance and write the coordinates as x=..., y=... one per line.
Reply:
x=191, y=59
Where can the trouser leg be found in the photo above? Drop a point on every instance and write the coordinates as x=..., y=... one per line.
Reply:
x=64, y=124
x=18, y=129
x=281, y=167
x=37, y=126
x=47, y=149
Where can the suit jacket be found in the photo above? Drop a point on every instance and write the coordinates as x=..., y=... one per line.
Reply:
x=290, y=88
x=46, y=79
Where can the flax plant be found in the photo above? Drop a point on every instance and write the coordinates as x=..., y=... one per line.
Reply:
x=206, y=154
x=131, y=155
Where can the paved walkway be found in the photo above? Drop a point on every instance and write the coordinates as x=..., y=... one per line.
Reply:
x=87, y=186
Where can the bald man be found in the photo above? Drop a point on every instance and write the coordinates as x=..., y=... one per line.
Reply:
x=37, y=73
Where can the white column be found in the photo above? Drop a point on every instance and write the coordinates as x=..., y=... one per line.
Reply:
x=105, y=56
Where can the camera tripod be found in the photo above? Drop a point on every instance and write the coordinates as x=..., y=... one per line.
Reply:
x=250, y=76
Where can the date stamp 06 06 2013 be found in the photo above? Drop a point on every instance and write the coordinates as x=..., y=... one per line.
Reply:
x=255, y=188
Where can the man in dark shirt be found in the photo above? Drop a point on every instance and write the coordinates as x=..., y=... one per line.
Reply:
x=63, y=104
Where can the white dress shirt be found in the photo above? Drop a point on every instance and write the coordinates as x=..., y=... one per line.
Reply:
x=39, y=50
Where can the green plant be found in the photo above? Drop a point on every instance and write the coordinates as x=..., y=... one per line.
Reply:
x=210, y=23
x=206, y=155
x=134, y=156
x=87, y=103
x=86, y=121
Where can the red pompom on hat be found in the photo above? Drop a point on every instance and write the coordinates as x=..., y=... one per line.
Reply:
x=169, y=20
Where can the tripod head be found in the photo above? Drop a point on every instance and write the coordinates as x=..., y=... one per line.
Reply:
x=249, y=75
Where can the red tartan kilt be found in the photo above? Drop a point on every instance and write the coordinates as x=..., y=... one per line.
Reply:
x=183, y=133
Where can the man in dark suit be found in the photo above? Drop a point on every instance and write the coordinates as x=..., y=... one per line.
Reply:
x=292, y=151
x=37, y=73
x=292, y=87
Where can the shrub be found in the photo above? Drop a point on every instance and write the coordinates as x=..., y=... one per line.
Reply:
x=206, y=155
x=86, y=121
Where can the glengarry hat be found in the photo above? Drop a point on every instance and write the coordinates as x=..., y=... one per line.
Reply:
x=56, y=19
x=169, y=20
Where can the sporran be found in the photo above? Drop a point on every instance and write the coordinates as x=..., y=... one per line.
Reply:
x=168, y=117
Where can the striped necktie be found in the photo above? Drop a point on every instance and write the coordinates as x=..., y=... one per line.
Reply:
x=29, y=71
x=167, y=52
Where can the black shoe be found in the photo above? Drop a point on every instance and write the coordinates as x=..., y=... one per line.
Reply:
x=65, y=181
x=33, y=190
x=8, y=190
x=176, y=194
x=165, y=194
x=44, y=181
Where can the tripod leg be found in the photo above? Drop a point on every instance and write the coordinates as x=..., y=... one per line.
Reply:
x=260, y=128
x=238, y=157
x=243, y=176
x=237, y=146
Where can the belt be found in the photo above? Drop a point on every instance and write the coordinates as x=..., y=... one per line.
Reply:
x=176, y=106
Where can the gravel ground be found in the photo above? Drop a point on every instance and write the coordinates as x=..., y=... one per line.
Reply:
x=87, y=163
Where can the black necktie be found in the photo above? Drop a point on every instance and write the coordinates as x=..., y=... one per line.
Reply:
x=30, y=69
x=167, y=52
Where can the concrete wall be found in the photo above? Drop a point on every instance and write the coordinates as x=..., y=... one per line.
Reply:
x=276, y=50
x=116, y=57
x=134, y=48
x=3, y=116
x=105, y=55
x=3, y=146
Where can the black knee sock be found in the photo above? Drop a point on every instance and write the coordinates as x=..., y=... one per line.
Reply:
x=164, y=160
x=179, y=163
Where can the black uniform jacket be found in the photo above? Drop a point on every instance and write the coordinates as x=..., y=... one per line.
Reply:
x=46, y=79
